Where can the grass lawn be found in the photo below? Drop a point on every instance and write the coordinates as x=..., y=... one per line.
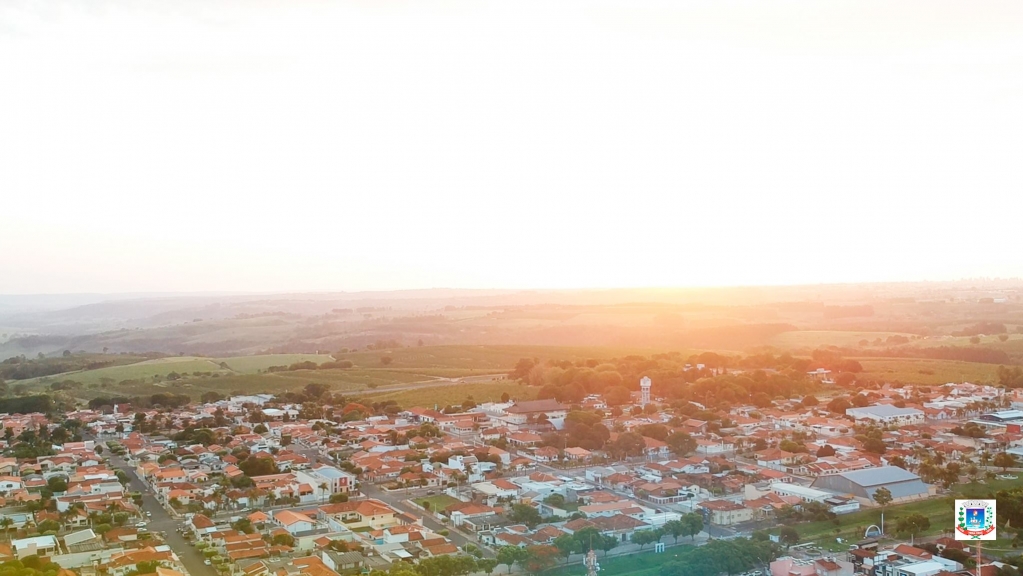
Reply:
x=940, y=512
x=437, y=502
x=645, y=563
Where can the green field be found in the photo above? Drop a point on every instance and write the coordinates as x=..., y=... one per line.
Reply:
x=441, y=396
x=940, y=512
x=139, y=371
x=817, y=338
x=438, y=502
x=928, y=372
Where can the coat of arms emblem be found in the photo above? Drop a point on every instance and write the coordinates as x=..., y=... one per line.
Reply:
x=975, y=520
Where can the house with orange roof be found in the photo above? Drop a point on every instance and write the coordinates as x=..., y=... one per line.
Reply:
x=293, y=522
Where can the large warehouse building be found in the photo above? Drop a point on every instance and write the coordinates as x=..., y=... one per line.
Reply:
x=861, y=484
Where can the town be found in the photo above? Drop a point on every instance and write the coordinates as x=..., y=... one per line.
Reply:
x=316, y=484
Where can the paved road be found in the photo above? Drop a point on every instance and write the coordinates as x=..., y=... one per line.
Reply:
x=397, y=500
x=161, y=521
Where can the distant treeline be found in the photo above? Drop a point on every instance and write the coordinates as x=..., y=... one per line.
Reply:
x=832, y=312
x=27, y=404
x=310, y=365
x=960, y=353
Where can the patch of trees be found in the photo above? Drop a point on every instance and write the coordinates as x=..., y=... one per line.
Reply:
x=22, y=368
x=27, y=404
x=310, y=365
x=721, y=557
x=255, y=465
x=1010, y=377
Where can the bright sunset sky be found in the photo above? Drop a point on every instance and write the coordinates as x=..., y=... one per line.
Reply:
x=315, y=145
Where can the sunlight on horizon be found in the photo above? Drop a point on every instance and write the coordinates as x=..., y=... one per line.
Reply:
x=383, y=145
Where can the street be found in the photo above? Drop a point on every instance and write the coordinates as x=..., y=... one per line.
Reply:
x=161, y=521
x=397, y=501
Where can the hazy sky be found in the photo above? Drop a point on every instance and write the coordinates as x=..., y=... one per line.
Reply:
x=313, y=145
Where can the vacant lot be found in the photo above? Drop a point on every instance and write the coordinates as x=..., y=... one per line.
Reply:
x=436, y=503
x=928, y=372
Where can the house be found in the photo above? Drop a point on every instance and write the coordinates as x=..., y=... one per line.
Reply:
x=293, y=522
x=726, y=512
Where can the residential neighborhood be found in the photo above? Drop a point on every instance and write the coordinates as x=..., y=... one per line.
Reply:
x=251, y=484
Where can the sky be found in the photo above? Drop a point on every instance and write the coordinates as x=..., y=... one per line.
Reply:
x=262, y=145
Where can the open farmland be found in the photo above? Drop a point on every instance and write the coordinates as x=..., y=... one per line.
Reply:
x=927, y=371
x=146, y=370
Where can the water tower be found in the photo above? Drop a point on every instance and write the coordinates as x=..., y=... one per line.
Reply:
x=644, y=387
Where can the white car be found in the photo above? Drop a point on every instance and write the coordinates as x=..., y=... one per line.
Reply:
x=140, y=525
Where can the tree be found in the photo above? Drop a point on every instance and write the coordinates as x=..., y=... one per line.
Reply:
x=676, y=528
x=539, y=558
x=825, y=451
x=912, y=525
x=243, y=525
x=1004, y=460
x=681, y=444
x=761, y=400
x=788, y=536
x=628, y=444
x=693, y=524
x=283, y=540
x=644, y=537
x=883, y=497
x=486, y=565
x=509, y=555
x=617, y=396
x=385, y=360
x=874, y=446
x=567, y=545
x=525, y=514
x=606, y=543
